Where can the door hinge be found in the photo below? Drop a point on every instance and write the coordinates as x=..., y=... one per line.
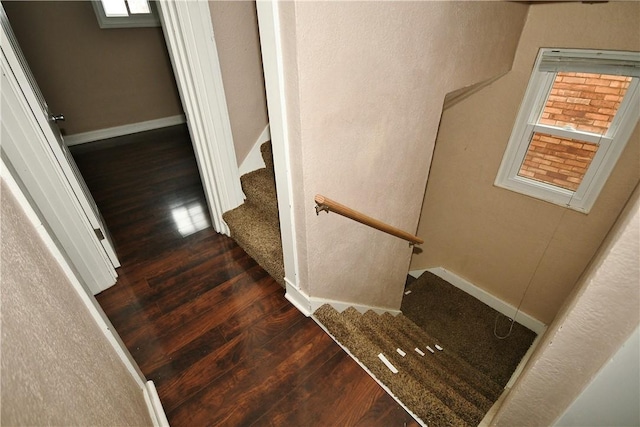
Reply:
x=99, y=233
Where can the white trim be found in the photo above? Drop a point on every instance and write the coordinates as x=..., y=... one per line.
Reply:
x=497, y=304
x=611, y=145
x=380, y=383
x=254, y=160
x=273, y=64
x=94, y=309
x=131, y=21
x=298, y=298
x=128, y=129
x=524, y=360
x=156, y=411
x=190, y=41
x=486, y=421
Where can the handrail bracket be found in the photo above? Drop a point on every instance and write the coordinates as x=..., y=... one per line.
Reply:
x=320, y=207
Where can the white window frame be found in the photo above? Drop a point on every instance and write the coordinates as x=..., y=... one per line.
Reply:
x=137, y=20
x=610, y=145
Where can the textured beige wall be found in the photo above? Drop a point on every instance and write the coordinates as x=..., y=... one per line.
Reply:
x=594, y=323
x=235, y=26
x=500, y=240
x=97, y=78
x=57, y=368
x=369, y=86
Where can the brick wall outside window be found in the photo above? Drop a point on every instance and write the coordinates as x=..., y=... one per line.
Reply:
x=581, y=101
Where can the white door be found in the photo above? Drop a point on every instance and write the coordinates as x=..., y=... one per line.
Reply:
x=47, y=123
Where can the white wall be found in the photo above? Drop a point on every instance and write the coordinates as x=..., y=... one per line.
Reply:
x=613, y=397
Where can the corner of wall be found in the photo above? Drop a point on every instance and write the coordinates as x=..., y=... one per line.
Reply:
x=253, y=161
x=590, y=328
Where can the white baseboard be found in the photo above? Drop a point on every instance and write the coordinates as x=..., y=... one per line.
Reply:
x=156, y=411
x=307, y=305
x=254, y=160
x=298, y=298
x=97, y=135
x=497, y=304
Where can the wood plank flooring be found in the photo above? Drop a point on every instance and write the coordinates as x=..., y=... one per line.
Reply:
x=202, y=319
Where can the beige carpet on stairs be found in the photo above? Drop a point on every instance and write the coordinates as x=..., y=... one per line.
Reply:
x=455, y=386
x=438, y=387
x=467, y=326
x=254, y=225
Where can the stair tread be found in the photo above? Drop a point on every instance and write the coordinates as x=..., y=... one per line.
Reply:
x=436, y=372
x=442, y=366
x=441, y=388
x=432, y=368
x=481, y=382
x=259, y=237
x=467, y=326
x=260, y=189
x=344, y=326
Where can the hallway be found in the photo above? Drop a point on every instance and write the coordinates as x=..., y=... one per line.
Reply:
x=202, y=319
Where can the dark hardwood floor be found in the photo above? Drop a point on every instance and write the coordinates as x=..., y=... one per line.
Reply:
x=202, y=319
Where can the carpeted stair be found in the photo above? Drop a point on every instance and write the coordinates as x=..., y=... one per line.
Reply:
x=439, y=387
x=454, y=386
x=254, y=225
x=468, y=325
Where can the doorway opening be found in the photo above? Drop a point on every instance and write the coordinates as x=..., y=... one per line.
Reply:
x=210, y=135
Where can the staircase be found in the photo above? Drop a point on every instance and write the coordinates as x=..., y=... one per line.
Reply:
x=437, y=386
x=433, y=382
x=255, y=225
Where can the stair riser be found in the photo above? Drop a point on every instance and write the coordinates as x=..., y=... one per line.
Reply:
x=259, y=188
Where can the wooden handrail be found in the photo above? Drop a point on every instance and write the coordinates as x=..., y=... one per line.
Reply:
x=327, y=204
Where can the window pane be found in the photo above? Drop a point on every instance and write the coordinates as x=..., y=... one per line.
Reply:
x=114, y=8
x=139, y=6
x=557, y=161
x=584, y=101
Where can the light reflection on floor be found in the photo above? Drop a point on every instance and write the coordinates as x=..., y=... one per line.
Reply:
x=190, y=218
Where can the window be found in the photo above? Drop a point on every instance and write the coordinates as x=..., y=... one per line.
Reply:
x=576, y=117
x=126, y=13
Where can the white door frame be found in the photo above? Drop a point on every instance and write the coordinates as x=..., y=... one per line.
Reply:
x=26, y=148
x=190, y=41
x=18, y=62
x=273, y=65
